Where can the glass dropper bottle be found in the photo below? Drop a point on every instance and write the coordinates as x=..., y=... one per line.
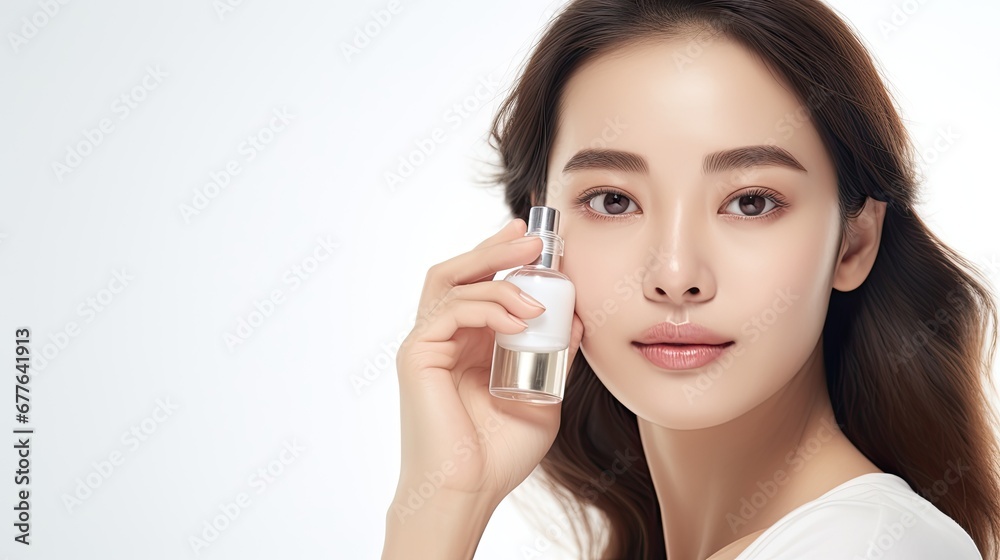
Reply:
x=531, y=365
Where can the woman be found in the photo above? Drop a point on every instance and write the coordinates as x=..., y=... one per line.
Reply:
x=732, y=176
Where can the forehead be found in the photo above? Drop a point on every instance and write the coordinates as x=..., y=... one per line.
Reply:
x=690, y=95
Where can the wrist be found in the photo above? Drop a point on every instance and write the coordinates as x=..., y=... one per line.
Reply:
x=435, y=524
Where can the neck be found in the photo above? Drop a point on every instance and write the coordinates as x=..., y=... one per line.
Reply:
x=717, y=485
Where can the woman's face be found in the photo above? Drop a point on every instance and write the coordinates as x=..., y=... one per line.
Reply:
x=742, y=242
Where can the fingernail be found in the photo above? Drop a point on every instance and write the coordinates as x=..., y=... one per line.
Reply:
x=517, y=320
x=531, y=300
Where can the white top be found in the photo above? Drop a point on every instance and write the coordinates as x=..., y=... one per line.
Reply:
x=873, y=516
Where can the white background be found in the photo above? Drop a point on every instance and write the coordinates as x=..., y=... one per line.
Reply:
x=160, y=338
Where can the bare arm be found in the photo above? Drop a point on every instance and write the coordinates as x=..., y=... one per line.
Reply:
x=441, y=526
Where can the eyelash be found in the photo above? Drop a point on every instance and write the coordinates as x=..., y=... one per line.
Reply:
x=583, y=203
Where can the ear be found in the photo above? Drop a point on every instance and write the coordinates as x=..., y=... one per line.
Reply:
x=859, y=247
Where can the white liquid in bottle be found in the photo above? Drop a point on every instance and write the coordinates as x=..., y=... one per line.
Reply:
x=548, y=332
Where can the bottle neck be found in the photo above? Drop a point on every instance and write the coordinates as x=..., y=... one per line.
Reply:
x=547, y=260
x=552, y=250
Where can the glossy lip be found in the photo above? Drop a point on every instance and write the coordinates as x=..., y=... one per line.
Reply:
x=683, y=356
x=687, y=333
x=680, y=346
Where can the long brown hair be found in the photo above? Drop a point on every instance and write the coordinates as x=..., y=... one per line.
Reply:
x=903, y=352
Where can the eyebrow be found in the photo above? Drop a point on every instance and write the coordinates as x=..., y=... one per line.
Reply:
x=724, y=160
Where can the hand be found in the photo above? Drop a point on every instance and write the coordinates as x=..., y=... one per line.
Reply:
x=457, y=438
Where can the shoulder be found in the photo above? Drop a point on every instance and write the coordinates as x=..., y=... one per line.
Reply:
x=872, y=516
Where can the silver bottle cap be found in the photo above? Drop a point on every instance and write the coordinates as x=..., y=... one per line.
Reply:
x=543, y=218
x=543, y=221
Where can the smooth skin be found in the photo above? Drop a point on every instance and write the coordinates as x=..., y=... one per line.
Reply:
x=476, y=447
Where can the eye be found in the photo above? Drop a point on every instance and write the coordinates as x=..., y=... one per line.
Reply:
x=756, y=204
x=606, y=202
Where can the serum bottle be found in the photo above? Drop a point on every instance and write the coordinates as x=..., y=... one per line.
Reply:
x=531, y=365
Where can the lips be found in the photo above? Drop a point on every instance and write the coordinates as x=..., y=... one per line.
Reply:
x=681, y=356
x=686, y=333
x=680, y=346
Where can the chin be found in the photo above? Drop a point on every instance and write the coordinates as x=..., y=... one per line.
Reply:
x=682, y=400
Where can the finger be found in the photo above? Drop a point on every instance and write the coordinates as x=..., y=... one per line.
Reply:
x=484, y=262
x=503, y=292
x=478, y=265
x=512, y=229
x=460, y=314
x=434, y=289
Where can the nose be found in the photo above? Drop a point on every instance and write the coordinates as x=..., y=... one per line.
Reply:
x=679, y=273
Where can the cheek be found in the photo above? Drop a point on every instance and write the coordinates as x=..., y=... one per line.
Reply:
x=780, y=303
x=602, y=277
x=790, y=263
